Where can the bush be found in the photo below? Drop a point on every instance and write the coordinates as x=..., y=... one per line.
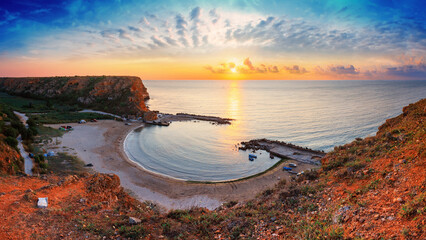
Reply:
x=31, y=122
x=43, y=165
x=10, y=132
x=11, y=141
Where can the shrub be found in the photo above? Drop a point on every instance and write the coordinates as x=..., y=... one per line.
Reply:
x=11, y=141
x=10, y=132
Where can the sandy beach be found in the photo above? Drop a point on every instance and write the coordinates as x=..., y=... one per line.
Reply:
x=101, y=143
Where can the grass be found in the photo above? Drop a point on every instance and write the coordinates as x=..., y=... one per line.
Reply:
x=64, y=164
x=31, y=105
x=67, y=117
x=48, y=131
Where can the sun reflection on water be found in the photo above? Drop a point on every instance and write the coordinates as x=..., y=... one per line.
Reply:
x=232, y=133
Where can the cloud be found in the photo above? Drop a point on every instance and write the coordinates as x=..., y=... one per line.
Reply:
x=247, y=67
x=195, y=17
x=295, y=69
x=135, y=29
x=171, y=41
x=342, y=70
x=116, y=34
x=158, y=41
x=277, y=33
x=181, y=24
x=215, y=17
x=273, y=69
x=111, y=34
x=144, y=21
x=411, y=71
x=248, y=63
x=181, y=27
x=7, y=17
x=123, y=34
x=195, y=14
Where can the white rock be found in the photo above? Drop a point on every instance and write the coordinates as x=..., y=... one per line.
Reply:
x=133, y=220
x=42, y=202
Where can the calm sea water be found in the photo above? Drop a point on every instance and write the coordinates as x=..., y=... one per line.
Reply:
x=315, y=114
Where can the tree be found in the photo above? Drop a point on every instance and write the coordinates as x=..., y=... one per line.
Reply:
x=11, y=141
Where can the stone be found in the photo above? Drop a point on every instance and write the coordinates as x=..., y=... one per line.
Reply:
x=133, y=220
x=42, y=202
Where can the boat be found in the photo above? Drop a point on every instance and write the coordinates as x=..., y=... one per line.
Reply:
x=252, y=157
x=287, y=169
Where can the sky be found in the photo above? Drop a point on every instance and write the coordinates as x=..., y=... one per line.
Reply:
x=234, y=39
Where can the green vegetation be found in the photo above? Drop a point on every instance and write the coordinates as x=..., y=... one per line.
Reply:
x=414, y=207
x=32, y=105
x=67, y=117
x=47, y=112
x=65, y=164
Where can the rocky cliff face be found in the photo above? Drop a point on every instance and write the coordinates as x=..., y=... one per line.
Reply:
x=10, y=160
x=115, y=94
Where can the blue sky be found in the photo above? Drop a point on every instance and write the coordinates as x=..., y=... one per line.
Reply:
x=303, y=39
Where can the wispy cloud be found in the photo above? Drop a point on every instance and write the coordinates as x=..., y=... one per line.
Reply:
x=298, y=35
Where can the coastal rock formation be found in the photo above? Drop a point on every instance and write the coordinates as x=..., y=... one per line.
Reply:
x=122, y=95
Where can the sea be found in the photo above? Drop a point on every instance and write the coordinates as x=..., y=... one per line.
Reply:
x=315, y=114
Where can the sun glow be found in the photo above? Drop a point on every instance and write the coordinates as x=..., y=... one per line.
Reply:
x=233, y=70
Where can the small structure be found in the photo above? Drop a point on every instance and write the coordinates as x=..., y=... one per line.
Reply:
x=252, y=157
x=42, y=202
x=82, y=121
x=292, y=165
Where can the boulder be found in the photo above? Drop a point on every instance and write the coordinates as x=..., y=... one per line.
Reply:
x=42, y=202
x=133, y=220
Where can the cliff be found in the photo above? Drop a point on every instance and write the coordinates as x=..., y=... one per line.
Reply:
x=121, y=95
x=10, y=160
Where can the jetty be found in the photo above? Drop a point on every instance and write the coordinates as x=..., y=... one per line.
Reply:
x=189, y=117
x=284, y=150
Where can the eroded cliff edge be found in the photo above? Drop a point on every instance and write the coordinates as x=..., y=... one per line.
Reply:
x=123, y=95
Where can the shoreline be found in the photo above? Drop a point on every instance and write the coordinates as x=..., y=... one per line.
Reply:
x=108, y=156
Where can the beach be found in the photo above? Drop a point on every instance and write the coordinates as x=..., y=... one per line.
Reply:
x=101, y=143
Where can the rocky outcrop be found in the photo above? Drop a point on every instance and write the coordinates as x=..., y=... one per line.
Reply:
x=122, y=95
x=10, y=160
